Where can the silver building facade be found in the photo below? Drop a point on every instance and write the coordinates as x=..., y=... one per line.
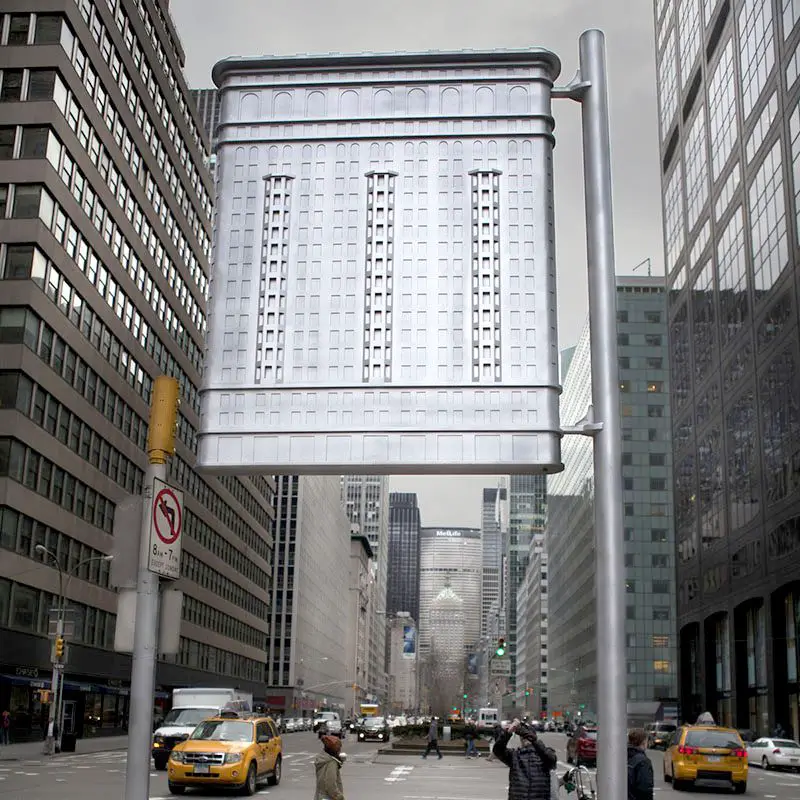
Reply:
x=384, y=285
x=730, y=147
x=650, y=628
x=105, y=234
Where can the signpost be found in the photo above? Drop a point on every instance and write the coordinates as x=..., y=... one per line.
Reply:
x=500, y=667
x=166, y=527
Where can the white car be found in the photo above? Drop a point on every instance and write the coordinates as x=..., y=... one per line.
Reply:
x=774, y=753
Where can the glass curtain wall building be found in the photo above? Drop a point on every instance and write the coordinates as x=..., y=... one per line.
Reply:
x=105, y=234
x=573, y=637
x=730, y=147
x=403, y=569
x=527, y=507
x=493, y=533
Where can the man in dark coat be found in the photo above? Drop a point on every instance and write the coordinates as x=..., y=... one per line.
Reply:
x=640, y=768
x=529, y=765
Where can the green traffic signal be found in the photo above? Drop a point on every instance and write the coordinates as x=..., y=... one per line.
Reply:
x=465, y=696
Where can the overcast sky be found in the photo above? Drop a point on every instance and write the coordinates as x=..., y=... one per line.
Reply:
x=212, y=30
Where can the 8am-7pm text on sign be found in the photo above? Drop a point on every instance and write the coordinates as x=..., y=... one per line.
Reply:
x=166, y=529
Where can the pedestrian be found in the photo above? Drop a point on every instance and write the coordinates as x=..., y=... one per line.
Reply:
x=530, y=765
x=497, y=732
x=640, y=768
x=328, y=766
x=433, y=739
x=470, y=732
x=5, y=728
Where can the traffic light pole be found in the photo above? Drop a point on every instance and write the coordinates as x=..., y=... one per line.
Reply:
x=55, y=683
x=160, y=445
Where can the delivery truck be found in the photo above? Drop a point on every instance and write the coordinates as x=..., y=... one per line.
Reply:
x=189, y=708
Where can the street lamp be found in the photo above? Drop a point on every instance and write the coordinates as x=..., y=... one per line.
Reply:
x=56, y=683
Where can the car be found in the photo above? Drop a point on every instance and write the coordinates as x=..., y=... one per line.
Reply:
x=374, y=729
x=327, y=722
x=774, y=753
x=659, y=734
x=582, y=746
x=706, y=753
x=233, y=752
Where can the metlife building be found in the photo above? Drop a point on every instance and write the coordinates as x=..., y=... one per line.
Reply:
x=453, y=553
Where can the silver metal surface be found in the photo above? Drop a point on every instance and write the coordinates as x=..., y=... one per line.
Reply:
x=383, y=297
x=610, y=582
x=145, y=643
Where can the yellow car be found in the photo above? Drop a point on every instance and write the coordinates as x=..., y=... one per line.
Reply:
x=229, y=752
x=706, y=753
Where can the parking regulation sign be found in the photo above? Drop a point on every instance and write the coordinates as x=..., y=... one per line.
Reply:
x=166, y=528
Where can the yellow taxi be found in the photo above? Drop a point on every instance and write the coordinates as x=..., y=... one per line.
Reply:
x=228, y=751
x=706, y=753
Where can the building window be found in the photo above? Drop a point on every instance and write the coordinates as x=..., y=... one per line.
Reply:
x=653, y=317
x=18, y=29
x=675, y=231
x=757, y=49
x=660, y=587
x=652, y=339
x=659, y=560
x=622, y=316
x=668, y=84
x=486, y=275
x=659, y=535
x=661, y=613
x=768, y=223
x=660, y=665
x=655, y=387
x=696, y=169
x=623, y=339
x=658, y=484
x=658, y=459
x=689, y=24
x=655, y=411
x=625, y=386
x=723, y=121
x=11, y=90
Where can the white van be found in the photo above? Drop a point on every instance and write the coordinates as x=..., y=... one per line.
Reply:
x=488, y=718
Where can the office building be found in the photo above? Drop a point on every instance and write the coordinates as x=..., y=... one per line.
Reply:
x=494, y=528
x=531, y=691
x=308, y=665
x=366, y=502
x=402, y=664
x=730, y=143
x=527, y=506
x=445, y=665
x=105, y=234
x=403, y=568
x=361, y=586
x=573, y=635
x=455, y=554
x=209, y=106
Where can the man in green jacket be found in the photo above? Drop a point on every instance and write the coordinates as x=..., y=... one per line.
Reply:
x=328, y=765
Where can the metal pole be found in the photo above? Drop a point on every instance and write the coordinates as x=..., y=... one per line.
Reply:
x=145, y=645
x=160, y=446
x=52, y=717
x=610, y=566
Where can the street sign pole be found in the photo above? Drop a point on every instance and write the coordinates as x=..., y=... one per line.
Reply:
x=591, y=89
x=160, y=446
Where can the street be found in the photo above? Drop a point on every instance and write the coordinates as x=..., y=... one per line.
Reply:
x=366, y=775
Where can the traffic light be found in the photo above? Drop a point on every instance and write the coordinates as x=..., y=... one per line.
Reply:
x=527, y=693
x=501, y=647
x=59, y=648
x=164, y=404
x=465, y=696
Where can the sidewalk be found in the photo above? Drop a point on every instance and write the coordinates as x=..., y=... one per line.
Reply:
x=33, y=750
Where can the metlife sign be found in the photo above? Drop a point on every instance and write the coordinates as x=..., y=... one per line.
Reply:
x=450, y=533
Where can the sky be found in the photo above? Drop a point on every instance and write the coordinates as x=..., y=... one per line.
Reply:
x=211, y=30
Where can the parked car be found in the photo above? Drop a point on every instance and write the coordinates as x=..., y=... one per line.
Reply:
x=659, y=734
x=774, y=754
x=706, y=753
x=582, y=747
x=375, y=729
x=235, y=753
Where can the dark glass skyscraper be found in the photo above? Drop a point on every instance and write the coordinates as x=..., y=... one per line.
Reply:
x=404, y=523
x=728, y=90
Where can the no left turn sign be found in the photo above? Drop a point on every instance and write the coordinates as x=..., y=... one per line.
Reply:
x=166, y=527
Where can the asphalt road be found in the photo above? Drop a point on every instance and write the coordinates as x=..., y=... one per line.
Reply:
x=366, y=775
